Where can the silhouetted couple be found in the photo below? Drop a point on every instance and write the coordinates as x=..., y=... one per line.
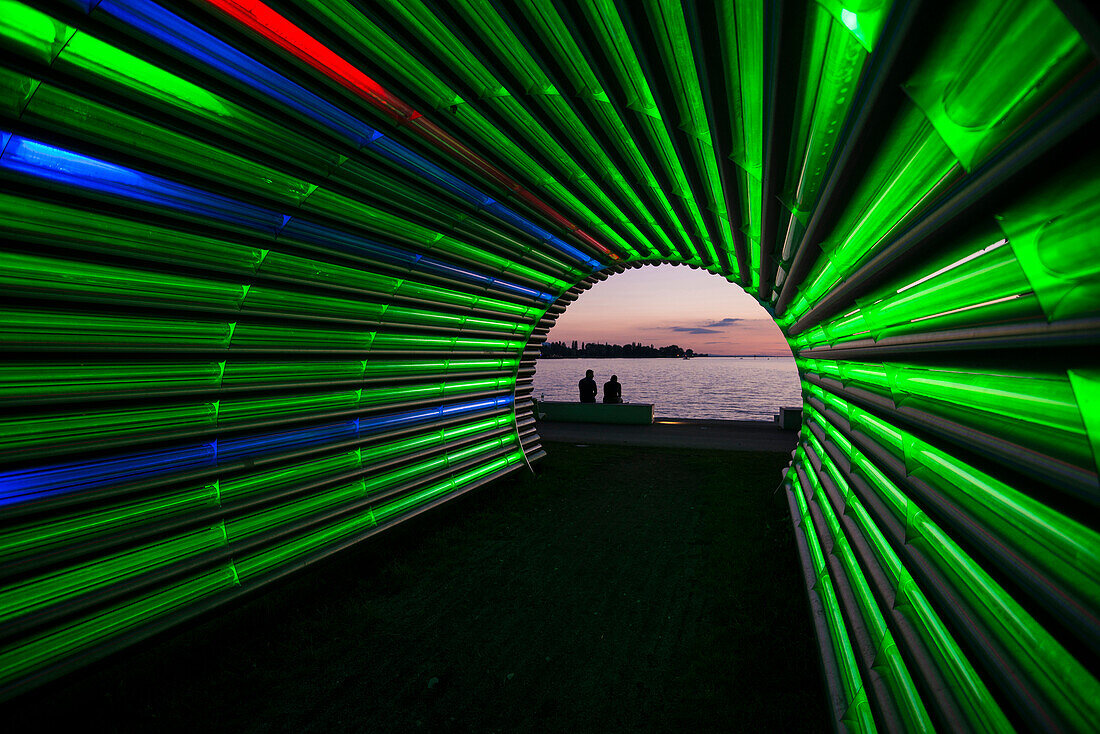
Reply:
x=612, y=389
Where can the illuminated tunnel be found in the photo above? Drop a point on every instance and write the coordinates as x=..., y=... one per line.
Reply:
x=275, y=278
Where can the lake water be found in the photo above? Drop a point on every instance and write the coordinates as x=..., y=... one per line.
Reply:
x=727, y=388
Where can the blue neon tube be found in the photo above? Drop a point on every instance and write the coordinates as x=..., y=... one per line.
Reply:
x=34, y=158
x=176, y=32
x=21, y=486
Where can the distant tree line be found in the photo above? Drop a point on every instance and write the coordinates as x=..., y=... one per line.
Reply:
x=595, y=349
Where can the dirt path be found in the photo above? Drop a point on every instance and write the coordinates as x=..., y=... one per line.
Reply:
x=621, y=589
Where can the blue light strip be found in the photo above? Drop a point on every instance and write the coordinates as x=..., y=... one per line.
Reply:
x=176, y=32
x=34, y=158
x=424, y=168
x=431, y=265
x=27, y=485
x=33, y=484
x=328, y=238
x=505, y=214
x=23, y=155
x=168, y=28
x=252, y=447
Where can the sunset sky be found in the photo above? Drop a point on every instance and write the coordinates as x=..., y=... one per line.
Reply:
x=671, y=305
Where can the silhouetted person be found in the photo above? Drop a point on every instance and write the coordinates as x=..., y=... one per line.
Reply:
x=613, y=390
x=588, y=388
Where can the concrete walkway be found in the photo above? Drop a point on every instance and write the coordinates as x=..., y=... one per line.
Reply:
x=676, y=433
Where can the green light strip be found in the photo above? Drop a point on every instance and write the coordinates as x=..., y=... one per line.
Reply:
x=968, y=286
x=1041, y=535
x=55, y=532
x=37, y=594
x=26, y=656
x=120, y=522
x=99, y=63
x=888, y=660
x=56, y=109
x=614, y=40
x=51, y=433
x=94, y=61
x=914, y=164
x=1039, y=410
x=967, y=688
x=834, y=62
x=586, y=87
x=252, y=566
x=670, y=27
x=858, y=714
x=1066, y=551
x=741, y=28
x=37, y=277
x=403, y=64
x=978, y=88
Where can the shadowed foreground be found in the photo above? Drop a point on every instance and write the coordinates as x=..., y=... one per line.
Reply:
x=620, y=589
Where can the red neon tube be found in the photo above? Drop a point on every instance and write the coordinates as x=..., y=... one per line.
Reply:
x=280, y=31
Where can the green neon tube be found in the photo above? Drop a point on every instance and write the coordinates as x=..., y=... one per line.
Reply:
x=251, y=487
x=56, y=109
x=892, y=667
x=615, y=42
x=1061, y=678
x=491, y=91
x=392, y=509
x=62, y=433
x=552, y=29
x=1062, y=548
x=254, y=565
x=248, y=336
x=241, y=528
x=80, y=381
x=971, y=285
x=99, y=63
x=826, y=90
x=273, y=482
x=31, y=33
x=993, y=66
x=26, y=656
x=1038, y=410
x=864, y=19
x=45, y=223
x=39, y=593
x=741, y=31
x=35, y=276
x=913, y=164
x=42, y=536
x=1053, y=234
x=969, y=690
x=858, y=708
x=670, y=28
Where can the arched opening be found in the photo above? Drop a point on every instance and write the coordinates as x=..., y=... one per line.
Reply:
x=275, y=277
x=644, y=324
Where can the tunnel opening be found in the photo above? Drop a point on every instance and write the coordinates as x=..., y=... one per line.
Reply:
x=272, y=274
x=644, y=324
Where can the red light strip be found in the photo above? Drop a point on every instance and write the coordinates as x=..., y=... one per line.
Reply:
x=280, y=31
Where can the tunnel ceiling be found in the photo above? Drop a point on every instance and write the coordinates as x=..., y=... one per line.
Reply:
x=275, y=277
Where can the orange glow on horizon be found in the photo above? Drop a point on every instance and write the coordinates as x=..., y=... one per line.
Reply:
x=668, y=305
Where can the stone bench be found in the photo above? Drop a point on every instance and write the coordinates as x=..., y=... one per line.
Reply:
x=623, y=413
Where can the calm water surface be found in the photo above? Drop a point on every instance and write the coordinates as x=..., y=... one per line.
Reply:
x=728, y=388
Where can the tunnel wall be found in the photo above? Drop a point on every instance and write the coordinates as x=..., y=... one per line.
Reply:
x=275, y=279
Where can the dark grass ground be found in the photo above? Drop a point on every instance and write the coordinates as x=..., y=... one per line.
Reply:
x=620, y=589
